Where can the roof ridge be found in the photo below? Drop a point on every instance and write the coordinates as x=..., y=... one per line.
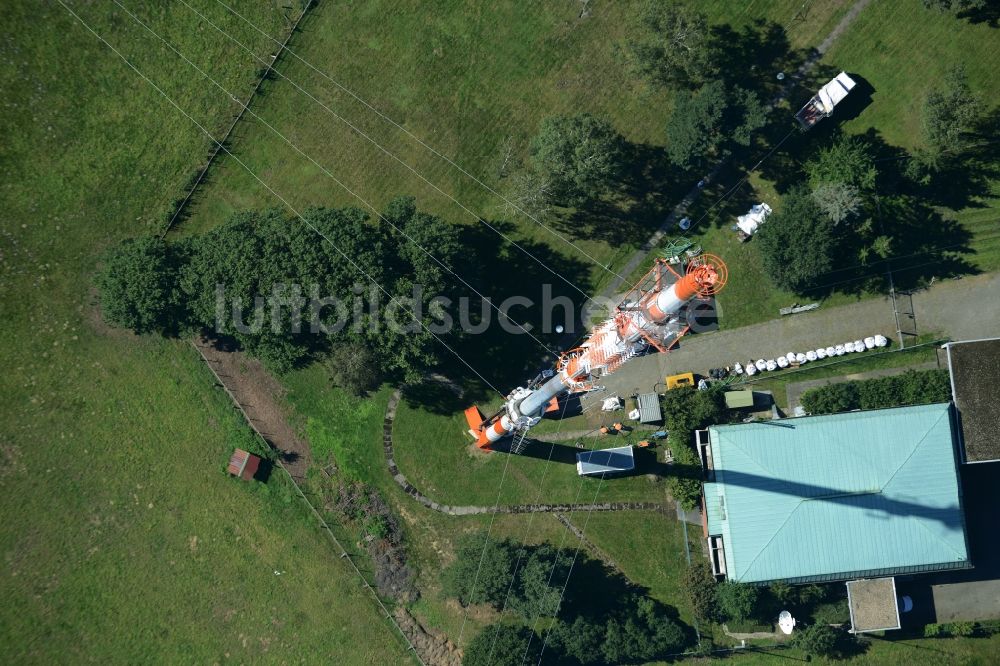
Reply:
x=942, y=541
x=778, y=529
x=916, y=447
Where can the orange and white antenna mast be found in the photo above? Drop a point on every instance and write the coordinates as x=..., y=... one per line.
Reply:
x=647, y=318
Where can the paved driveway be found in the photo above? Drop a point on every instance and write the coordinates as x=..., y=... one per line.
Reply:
x=960, y=309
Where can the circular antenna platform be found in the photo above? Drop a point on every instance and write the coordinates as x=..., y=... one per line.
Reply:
x=710, y=273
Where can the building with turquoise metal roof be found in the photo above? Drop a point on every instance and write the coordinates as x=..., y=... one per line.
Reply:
x=825, y=498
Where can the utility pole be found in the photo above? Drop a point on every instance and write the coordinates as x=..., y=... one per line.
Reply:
x=895, y=310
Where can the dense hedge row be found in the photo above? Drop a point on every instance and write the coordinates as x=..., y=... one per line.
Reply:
x=911, y=388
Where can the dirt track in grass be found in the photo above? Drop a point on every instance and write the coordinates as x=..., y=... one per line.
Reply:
x=260, y=396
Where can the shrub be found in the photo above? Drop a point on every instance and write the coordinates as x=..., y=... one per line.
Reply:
x=737, y=601
x=701, y=591
x=933, y=630
x=962, y=628
x=818, y=639
x=911, y=388
x=832, y=612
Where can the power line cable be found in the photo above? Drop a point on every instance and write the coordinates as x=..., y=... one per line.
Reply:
x=434, y=151
x=207, y=133
x=486, y=541
x=332, y=177
x=290, y=207
x=480, y=219
x=569, y=574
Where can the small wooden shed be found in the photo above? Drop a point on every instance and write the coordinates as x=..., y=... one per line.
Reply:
x=243, y=464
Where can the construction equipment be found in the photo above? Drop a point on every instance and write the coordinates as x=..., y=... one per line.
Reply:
x=648, y=318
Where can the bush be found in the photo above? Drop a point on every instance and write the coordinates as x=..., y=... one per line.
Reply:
x=933, y=630
x=701, y=591
x=139, y=286
x=832, y=612
x=354, y=368
x=737, y=601
x=818, y=639
x=962, y=628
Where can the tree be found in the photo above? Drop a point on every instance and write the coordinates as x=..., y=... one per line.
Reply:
x=701, y=591
x=818, y=639
x=537, y=592
x=481, y=571
x=687, y=409
x=641, y=633
x=580, y=156
x=353, y=368
x=582, y=640
x=528, y=193
x=838, y=201
x=673, y=44
x=695, y=128
x=798, y=242
x=847, y=161
x=501, y=645
x=950, y=114
x=737, y=601
x=704, y=122
x=751, y=114
x=138, y=286
x=257, y=256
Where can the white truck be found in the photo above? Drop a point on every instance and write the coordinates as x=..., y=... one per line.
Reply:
x=823, y=102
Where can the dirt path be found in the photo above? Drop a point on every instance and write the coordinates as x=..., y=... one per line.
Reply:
x=409, y=489
x=259, y=395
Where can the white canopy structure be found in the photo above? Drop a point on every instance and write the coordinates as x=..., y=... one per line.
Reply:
x=835, y=91
x=749, y=223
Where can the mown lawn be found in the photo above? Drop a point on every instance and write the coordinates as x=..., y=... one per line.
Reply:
x=469, y=83
x=124, y=541
x=880, y=48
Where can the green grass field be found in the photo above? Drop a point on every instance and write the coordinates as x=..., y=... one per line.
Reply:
x=124, y=541
x=879, y=47
x=468, y=84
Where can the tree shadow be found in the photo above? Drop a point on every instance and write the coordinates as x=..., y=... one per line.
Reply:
x=554, y=286
x=989, y=14
x=436, y=397
x=638, y=204
x=752, y=56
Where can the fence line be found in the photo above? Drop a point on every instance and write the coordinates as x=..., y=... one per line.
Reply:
x=239, y=116
x=322, y=522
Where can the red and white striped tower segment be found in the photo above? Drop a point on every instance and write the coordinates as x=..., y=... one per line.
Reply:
x=648, y=317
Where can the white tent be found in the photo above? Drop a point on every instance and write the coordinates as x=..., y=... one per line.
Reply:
x=748, y=223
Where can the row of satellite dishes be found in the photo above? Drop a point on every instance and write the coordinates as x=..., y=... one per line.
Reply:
x=798, y=358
